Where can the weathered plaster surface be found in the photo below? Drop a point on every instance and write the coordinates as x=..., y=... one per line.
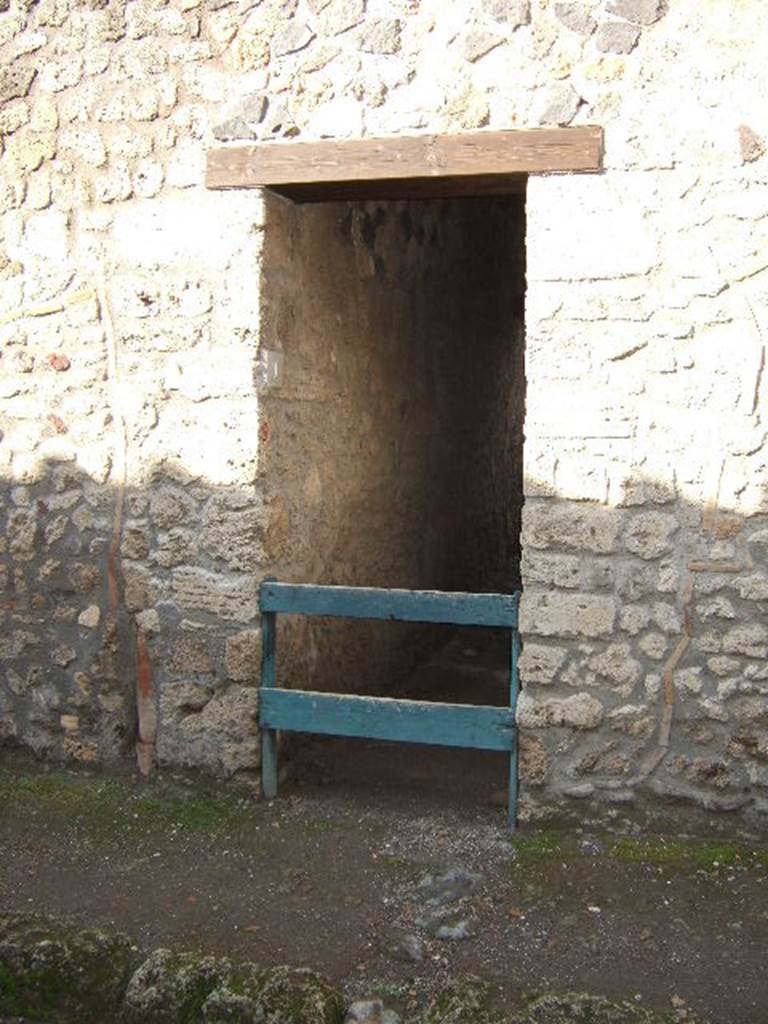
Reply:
x=136, y=513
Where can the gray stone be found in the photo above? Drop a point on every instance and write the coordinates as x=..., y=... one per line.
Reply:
x=540, y=663
x=649, y=534
x=561, y=104
x=365, y=1011
x=454, y=884
x=749, y=638
x=455, y=931
x=15, y=81
x=381, y=35
x=566, y=615
x=514, y=12
x=576, y=17
x=616, y=37
x=294, y=36
x=477, y=43
x=580, y=711
x=641, y=12
x=617, y=664
x=569, y=525
x=403, y=944
x=339, y=16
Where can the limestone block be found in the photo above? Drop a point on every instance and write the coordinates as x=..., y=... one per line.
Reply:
x=690, y=679
x=616, y=37
x=641, y=12
x=634, y=617
x=554, y=569
x=534, y=760
x=234, y=538
x=21, y=531
x=549, y=524
x=140, y=589
x=223, y=736
x=748, y=638
x=477, y=42
x=569, y=615
x=632, y=719
x=753, y=588
x=540, y=663
x=291, y=37
x=148, y=178
x=233, y=598
x=576, y=17
x=339, y=15
x=90, y=616
x=172, y=506
x=580, y=711
x=653, y=644
x=649, y=534
x=190, y=655
x=514, y=13
x=15, y=81
x=724, y=665
x=617, y=664
x=380, y=35
x=559, y=104
x=242, y=656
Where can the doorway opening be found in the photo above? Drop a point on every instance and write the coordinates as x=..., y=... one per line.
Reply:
x=394, y=452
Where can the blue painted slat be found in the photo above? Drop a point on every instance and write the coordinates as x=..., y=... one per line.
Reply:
x=382, y=718
x=399, y=605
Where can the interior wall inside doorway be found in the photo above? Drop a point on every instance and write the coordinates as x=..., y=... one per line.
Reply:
x=394, y=451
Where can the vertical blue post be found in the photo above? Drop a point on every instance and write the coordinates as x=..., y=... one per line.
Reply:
x=268, y=680
x=514, y=689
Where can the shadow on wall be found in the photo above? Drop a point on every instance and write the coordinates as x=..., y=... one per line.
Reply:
x=645, y=640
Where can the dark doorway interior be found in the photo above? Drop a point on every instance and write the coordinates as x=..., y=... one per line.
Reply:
x=395, y=434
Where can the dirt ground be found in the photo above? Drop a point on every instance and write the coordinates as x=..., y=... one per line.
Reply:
x=334, y=875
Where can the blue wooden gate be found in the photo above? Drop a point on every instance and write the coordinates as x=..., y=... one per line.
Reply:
x=480, y=727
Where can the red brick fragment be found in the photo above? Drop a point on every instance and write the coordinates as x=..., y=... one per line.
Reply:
x=58, y=361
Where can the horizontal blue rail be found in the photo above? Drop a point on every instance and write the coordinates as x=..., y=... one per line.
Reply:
x=453, y=609
x=478, y=727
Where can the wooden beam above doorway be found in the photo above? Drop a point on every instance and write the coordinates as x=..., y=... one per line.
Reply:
x=406, y=167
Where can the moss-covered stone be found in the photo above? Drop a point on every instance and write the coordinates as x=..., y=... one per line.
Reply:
x=59, y=973
x=181, y=988
x=578, y=1008
x=465, y=1001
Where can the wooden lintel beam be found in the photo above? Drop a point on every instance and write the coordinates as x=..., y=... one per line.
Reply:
x=473, y=163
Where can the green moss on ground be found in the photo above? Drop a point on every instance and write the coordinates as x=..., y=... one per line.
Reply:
x=117, y=808
x=541, y=846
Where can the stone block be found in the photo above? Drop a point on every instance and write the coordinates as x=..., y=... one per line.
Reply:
x=242, y=656
x=566, y=615
x=576, y=17
x=15, y=81
x=233, y=598
x=550, y=524
x=540, y=663
x=641, y=12
x=553, y=569
x=747, y=638
x=580, y=711
x=649, y=534
x=380, y=35
x=616, y=37
x=618, y=666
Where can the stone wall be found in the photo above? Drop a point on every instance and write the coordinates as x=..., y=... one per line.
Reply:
x=137, y=507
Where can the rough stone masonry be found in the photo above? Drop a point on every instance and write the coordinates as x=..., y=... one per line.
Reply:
x=137, y=509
